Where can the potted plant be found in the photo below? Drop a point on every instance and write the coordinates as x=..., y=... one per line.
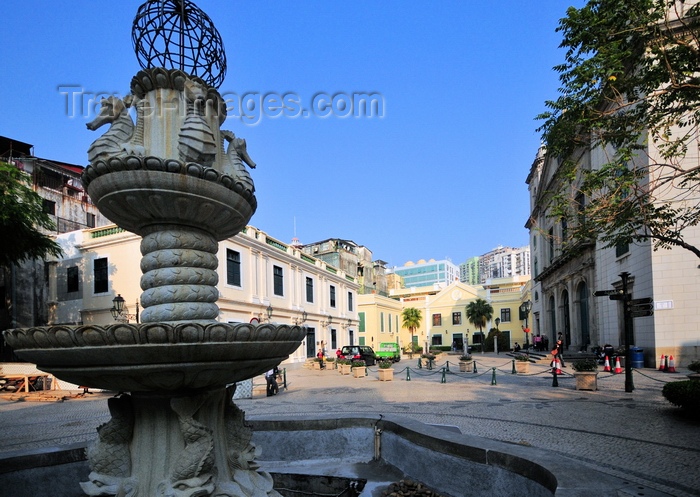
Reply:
x=695, y=368
x=429, y=359
x=344, y=366
x=522, y=363
x=318, y=363
x=586, y=374
x=386, y=372
x=466, y=363
x=359, y=369
x=330, y=363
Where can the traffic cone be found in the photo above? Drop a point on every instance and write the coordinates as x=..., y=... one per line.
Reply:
x=662, y=363
x=607, y=364
x=618, y=368
x=557, y=367
x=671, y=365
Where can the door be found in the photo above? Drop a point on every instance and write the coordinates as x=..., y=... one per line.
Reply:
x=311, y=343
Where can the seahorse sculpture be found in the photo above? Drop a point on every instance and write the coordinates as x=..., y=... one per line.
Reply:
x=113, y=110
x=196, y=141
x=241, y=454
x=191, y=474
x=109, y=457
x=236, y=157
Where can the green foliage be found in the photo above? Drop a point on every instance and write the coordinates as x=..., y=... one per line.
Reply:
x=521, y=357
x=466, y=357
x=478, y=312
x=21, y=219
x=502, y=341
x=630, y=84
x=344, y=362
x=585, y=365
x=358, y=364
x=694, y=366
x=385, y=365
x=684, y=394
x=412, y=319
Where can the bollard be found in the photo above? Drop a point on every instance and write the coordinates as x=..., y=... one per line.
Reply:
x=513, y=366
x=475, y=371
x=447, y=365
x=555, y=382
x=284, y=375
x=443, y=380
x=408, y=374
x=420, y=364
x=493, y=377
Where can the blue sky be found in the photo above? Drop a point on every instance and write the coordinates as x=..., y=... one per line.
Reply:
x=440, y=175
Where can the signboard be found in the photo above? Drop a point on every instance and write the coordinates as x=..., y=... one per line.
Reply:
x=607, y=293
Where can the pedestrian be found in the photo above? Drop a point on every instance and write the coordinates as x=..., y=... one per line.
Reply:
x=560, y=350
x=320, y=358
x=271, y=377
x=537, y=339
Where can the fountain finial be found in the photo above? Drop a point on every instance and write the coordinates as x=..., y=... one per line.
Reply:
x=176, y=34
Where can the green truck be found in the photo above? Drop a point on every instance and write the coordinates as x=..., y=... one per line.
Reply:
x=388, y=351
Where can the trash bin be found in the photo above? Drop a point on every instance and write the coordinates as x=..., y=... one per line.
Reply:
x=637, y=357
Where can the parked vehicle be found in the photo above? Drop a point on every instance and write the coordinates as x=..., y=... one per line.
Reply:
x=359, y=352
x=388, y=351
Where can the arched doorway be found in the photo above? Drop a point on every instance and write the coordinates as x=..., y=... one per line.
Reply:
x=584, y=318
x=566, y=318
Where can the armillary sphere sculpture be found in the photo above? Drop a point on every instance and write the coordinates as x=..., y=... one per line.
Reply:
x=180, y=181
x=176, y=34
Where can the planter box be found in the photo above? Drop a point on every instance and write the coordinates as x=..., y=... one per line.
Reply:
x=466, y=366
x=360, y=372
x=317, y=365
x=345, y=368
x=330, y=365
x=386, y=374
x=586, y=380
x=522, y=367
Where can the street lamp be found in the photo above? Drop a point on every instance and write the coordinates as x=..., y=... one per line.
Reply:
x=328, y=321
x=300, y=319
x=525, y=308
x=119, y=313
x=269, y=313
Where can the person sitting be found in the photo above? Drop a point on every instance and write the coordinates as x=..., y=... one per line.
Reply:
x=516, y=348
x=271, y=377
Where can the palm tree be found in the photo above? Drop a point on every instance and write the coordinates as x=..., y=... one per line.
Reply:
x=478, y=313
x=412, y=319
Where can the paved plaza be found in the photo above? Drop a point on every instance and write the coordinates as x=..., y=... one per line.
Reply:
x=638, y=437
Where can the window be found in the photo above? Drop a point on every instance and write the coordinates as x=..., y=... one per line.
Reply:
x=332, y=295
x=621, y=249
x=309, y=289
x=72, y=279
x=90, y=220
x=437, y=319
x=564, y=230
x=350, y=301
x=381, y=322
x=505, y=315
x=278, y=280
x=99, y=268
x=233, y=267
x=456, y=318
x=361, y=317
x=49, y=207
x=551, y=245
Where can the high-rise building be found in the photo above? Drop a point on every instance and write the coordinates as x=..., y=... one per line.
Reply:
x=427, y=273
x=469, y=271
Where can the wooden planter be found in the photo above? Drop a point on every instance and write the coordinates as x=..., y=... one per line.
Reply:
x=345, y=368
x=330, y=365
x=317, y=365
x=586, y=380
x=522, y=367
x=359, y=372
x=386, y=374
x=466, y=366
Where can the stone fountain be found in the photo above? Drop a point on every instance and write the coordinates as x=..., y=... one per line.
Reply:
x=177, y=179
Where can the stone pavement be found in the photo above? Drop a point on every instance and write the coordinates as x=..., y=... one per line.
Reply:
x=638, y=437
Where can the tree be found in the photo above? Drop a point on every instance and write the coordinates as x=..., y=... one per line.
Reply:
x=630, y=93
x=479, y=312
x=21, y=218
x=412, y=318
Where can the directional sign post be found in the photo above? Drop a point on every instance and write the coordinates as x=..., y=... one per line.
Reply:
x=640, y=308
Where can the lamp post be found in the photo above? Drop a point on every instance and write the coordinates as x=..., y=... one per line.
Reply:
x=269, y=313
x=120, y=313
x=525, y=308
x=300, y=319
x=495, y=337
